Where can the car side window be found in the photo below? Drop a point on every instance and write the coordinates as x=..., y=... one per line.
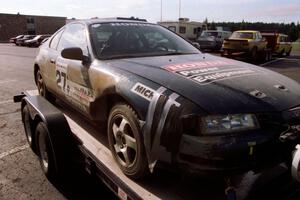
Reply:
x=73, y=36
x=55, y=40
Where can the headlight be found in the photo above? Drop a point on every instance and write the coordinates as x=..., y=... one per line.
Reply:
x=218, y=124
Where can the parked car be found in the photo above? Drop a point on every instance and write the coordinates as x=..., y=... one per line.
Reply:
x=163, y=101
x=21, y=41
x=278, y=42
x=212, y=39
x=36, y=41
x=14, y=39
x=247, y=42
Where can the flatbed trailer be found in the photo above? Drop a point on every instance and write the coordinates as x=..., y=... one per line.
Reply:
x=62, y=122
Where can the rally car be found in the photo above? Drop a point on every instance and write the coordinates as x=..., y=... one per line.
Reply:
x=166, y=102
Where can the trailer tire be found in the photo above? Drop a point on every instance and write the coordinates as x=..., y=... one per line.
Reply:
x=46, y=153
x=125, y=141
x=28, y=127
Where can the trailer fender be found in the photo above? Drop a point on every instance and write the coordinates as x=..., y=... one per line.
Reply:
x=62, y=141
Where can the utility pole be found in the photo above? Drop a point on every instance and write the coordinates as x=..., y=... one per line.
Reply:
x=161, y=5
x=179, y=9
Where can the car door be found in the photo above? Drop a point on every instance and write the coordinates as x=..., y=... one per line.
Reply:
x=49, y=71
x=72, y=77
x=261, y=44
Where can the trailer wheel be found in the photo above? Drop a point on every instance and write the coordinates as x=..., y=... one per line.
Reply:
x=45, y=152
x=42, y=89
x=125, y=141
x=28, y=126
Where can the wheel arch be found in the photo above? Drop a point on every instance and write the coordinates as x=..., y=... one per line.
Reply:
x=36, y=68
x=101, y=107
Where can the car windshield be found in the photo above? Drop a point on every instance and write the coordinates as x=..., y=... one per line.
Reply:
x=208, y=34
x=242, y=35
x=123, y=40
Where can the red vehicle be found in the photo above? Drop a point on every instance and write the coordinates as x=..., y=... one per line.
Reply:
x=14, y=39
x=279, y=43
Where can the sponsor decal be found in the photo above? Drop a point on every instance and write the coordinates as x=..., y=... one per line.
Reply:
x=196, y=65
x=206, y=72
x=77, y=94
x=217, y=76
x=129, y=24
x=80, y=93
x=143, y=91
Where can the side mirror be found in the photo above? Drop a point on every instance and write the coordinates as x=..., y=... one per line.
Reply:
x=196, y=44
x=74, y=53
x=264, y=39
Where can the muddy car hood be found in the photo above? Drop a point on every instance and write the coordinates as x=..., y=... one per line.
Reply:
x=216, y=84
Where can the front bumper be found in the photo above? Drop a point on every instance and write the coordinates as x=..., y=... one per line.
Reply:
x=232, y=154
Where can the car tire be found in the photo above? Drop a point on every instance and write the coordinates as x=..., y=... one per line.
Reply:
x=288, y=53
x=28, y=127
x=254, y=54
x=281, y=53
x=125, y=141
x=45, y=152
x=42, y=89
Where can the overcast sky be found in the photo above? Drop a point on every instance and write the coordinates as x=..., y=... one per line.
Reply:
x=215, y=10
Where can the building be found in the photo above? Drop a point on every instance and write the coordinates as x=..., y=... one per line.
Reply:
x=12, y=25
x=185, y=28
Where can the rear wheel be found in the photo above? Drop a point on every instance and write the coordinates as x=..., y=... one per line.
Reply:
x=42, y=89
x=288, y=52
x=254, y=54
x=125, y=141
x=281, y=53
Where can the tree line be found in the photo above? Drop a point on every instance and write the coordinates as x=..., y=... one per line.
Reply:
x=291, y=29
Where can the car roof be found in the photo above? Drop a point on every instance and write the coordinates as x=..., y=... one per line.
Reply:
x=110, y=20
x=216, y=31
x=246, y=31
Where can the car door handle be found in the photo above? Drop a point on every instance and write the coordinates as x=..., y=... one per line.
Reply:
x=52, y=61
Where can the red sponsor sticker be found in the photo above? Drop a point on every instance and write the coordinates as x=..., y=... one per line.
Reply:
x=198, y=64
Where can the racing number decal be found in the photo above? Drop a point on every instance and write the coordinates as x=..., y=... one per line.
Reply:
x=61, y=76
x=61, y=79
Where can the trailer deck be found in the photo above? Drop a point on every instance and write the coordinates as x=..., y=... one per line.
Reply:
x=163, y=184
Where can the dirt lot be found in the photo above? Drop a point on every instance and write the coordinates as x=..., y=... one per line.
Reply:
x=20, y=174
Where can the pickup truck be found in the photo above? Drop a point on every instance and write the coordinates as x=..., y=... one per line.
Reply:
x=279, y=43
x=245, y=42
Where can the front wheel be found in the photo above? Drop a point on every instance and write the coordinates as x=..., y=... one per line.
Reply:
x=125, y=141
